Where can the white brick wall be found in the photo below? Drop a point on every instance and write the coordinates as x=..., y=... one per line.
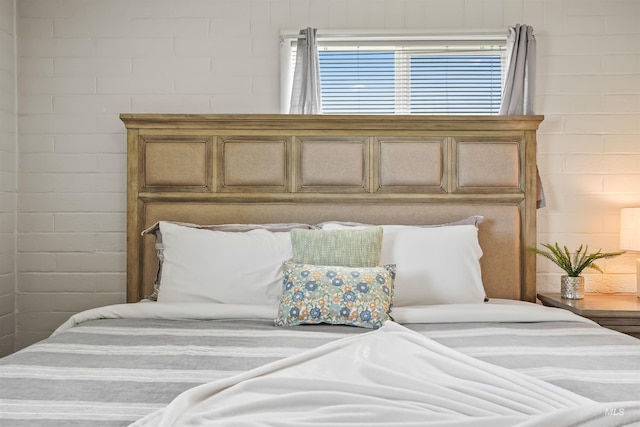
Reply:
x=83, y=62
x=7, y=176
x=589, y=90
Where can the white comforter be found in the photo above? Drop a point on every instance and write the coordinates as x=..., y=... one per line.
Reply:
x=390, y=377
x=496, y=310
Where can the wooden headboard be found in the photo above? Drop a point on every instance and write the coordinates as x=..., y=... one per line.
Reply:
x=215, y=169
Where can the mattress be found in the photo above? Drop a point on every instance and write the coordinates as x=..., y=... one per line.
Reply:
x=116, y=365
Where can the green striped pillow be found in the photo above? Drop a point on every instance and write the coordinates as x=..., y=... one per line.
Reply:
x=345, y=248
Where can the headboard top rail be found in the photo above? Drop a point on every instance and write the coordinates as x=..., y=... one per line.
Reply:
x=362, y=123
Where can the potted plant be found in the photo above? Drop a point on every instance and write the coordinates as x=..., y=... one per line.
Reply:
x=572, y=284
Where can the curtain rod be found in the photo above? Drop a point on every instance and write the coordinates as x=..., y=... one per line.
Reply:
x=385, y=35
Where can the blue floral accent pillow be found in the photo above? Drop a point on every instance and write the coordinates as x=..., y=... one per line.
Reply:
x=315, y=294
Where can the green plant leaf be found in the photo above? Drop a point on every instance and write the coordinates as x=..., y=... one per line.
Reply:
x=574, y=264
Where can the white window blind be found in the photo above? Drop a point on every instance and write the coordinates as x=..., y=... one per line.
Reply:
x=410, y=77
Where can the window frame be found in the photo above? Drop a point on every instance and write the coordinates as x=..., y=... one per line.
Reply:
x=435, y=42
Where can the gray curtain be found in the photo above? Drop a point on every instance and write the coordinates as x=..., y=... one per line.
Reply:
x=518, y=96
x=519, y=91
x=305, y=92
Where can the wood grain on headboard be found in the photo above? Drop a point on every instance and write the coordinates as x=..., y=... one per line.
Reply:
x=377, y=169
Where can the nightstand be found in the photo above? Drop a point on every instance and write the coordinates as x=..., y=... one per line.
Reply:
x=613, y=311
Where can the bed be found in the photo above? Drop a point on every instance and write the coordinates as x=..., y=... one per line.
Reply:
x=220, y=329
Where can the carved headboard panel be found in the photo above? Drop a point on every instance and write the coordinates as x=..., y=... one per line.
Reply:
x=218, y=169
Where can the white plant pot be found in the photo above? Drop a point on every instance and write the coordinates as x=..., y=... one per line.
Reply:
x=572, y=287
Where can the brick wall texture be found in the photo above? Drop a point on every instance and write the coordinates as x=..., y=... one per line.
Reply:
x=8, y=176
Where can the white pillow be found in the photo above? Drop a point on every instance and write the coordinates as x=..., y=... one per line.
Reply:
x=434, y=265
x=201, y=265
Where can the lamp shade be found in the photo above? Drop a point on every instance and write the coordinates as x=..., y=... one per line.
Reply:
x=630, y=229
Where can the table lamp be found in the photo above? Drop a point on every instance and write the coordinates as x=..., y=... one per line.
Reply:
x=630, y=235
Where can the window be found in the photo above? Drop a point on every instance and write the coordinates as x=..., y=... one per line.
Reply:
x=377, y=76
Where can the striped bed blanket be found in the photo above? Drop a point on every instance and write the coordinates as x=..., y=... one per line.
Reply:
x=116, y=365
